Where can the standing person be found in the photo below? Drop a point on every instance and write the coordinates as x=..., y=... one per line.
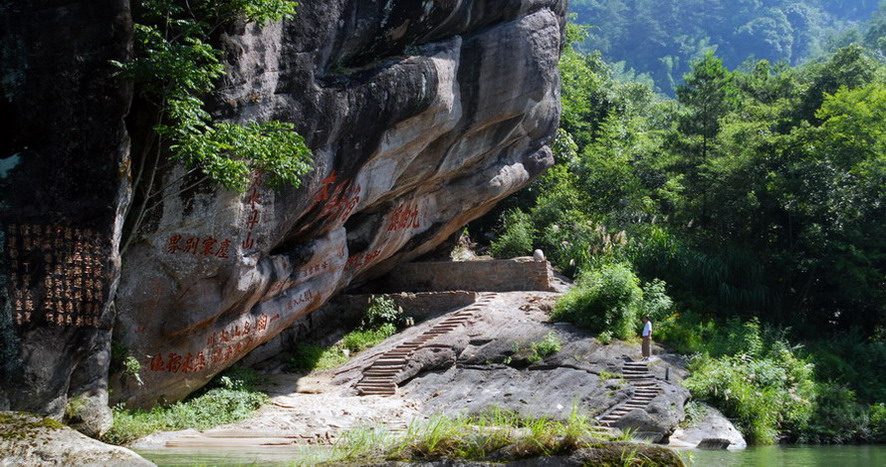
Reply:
x=647, y=337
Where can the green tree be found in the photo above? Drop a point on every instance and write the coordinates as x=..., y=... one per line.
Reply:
x=707, y=95
x=174, y=67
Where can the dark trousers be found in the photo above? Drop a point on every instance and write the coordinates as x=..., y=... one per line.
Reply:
x=647, y=346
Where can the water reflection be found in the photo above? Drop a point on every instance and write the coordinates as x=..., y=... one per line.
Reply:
x=766, y=456
x=793, y=456
x=269, y=456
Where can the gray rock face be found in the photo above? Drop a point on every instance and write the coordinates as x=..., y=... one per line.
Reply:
x=421, y=116
x=491, y=362
x=63, y=161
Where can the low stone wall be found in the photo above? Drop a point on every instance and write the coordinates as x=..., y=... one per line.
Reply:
x=479, y=276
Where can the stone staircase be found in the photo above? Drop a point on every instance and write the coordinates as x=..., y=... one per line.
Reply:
x=380, y=377
x=645, y=389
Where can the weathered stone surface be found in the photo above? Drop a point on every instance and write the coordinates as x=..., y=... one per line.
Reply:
x=27, y=440
x=712, y=425
x=490, y=363
x=64, y=159
x=421, y=116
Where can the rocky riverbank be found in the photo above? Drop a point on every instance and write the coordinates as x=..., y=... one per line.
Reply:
x=492, y=358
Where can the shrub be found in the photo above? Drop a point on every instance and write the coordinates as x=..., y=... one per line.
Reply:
x=690, y=333
x=547, y=346
x=516, y=240
x=850, y=359
x=837, y=417
x=606, y=299
x=764, y=387
x=686, y=333
x=382, y=310
x=656, y=302
x=877, y=415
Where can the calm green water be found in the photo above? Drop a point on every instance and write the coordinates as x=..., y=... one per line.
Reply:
x=769, y=456
x=793, y=456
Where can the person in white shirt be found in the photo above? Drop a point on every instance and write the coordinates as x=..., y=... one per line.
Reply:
x=647, y=337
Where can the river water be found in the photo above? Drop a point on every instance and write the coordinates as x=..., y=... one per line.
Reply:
x=766, y=456
x=791, y=456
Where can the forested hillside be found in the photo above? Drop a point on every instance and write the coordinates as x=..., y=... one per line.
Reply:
x=661, y=38
x=746, y=216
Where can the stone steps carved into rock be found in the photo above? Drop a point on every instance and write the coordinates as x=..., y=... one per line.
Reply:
x=645, y=390
x=380, y=377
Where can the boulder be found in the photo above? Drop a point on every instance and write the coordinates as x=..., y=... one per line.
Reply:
x=712, y=426
x=28, y=440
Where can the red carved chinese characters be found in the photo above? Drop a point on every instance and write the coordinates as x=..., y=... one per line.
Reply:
x=404, y=217
x=341, y=202
x=56, y=274
x=360, y=260
x=221, y=346
x=314, y=269
x=300, y=299
x=197, y=246
x=254, y=218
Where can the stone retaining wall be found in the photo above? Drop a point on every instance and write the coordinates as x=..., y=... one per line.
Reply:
x=479, y=276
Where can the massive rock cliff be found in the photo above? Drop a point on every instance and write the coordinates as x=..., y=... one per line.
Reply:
x=421, y=116
x=63, y=190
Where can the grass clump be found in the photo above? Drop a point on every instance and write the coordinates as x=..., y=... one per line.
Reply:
x=695, y=413
x=381, y=320
x=495, y=434
x=229, y=398
x=611, y=375
x=309, y=357
x=547, y=346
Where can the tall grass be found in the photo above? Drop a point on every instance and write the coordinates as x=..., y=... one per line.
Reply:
x=381, y=320
x=230, y=398
x=494, y=434
x=308, y=357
